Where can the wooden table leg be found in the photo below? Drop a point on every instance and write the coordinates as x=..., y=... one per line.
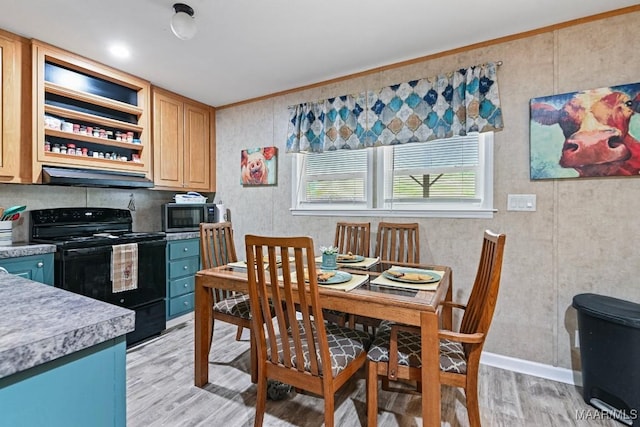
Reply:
x=203, y=304
x=447, y=311
x=430, y=369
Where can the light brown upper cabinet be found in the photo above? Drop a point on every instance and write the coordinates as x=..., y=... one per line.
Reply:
x=15, y=155
x=88, y=115
x=183, y=143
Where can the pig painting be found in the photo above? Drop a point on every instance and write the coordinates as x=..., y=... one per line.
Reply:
x=594, y=133
x=258, y=166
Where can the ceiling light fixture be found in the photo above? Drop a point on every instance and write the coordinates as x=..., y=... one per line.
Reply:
x=183, y=24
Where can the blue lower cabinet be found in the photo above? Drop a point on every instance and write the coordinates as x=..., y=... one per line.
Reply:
x=86, y=388
x=183, y=262
x=38, y=268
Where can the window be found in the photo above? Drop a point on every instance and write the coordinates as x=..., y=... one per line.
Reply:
x=444, y=178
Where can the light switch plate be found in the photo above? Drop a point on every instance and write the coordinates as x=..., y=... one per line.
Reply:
x=521, y=202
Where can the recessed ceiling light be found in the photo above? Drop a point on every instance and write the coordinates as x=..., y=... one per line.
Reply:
x=120, y=51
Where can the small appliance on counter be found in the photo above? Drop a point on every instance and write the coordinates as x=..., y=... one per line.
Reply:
x=191, y=197
x=182, y=217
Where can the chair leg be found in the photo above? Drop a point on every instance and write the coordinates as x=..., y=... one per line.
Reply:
x=261, y=401
x=329, y=409
x=372, y=394
x=473, y=409
x=239, y=333
x=254, y=360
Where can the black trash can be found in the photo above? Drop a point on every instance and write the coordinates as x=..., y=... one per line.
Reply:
x=609, y=331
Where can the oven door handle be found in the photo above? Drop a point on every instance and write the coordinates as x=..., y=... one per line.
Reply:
x=86, y=251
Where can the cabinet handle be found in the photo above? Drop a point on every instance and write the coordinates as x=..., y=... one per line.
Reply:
x=186, y=303
x=4, y=270
x=40, y=264
x=186, y=285
x=186, y=249
x=185, y=267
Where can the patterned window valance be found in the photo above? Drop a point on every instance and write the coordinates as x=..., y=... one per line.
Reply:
x=438, y=107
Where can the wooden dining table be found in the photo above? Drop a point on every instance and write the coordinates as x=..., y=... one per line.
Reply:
x=412, y=307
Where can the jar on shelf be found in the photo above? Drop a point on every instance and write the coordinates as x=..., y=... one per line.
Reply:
x=55, y=148
x=47, y=146
x=71, y=149
x=67, y=127
x=118, y=136
x=63, y=149
x=129, y=136
x=76, y=128
x=83, y=130
x=85, y=151
x=96, y=132
x=109, y=134
x=102, y=133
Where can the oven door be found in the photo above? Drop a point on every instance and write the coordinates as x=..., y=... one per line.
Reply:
x=87, y=271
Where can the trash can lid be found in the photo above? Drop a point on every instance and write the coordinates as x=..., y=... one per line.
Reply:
x=608, y=308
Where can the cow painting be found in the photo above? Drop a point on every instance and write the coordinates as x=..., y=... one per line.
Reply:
x=593, y=133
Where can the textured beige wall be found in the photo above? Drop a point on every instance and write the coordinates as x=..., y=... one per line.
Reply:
x=580, y=239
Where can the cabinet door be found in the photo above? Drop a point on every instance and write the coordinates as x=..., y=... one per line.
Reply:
x=10, y=110
x=168, y=140
x=38, y=268
x=197, y=151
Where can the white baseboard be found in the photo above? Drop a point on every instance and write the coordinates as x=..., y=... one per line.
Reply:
x=536, y=369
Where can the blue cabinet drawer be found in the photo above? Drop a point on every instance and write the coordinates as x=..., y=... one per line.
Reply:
x=184, y=249
x=181, y=305
x=185, y=267
x=181, y=286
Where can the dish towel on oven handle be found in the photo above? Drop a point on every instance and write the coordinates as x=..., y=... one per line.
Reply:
x=124, y=267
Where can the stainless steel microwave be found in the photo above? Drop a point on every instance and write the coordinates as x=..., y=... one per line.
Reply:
x=178, y=217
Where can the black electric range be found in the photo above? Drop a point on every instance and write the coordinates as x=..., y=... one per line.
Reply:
x=85, y=239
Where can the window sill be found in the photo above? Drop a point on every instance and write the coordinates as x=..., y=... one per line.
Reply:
x=443, y=213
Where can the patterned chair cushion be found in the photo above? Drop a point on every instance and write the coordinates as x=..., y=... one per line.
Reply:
x=236, y=306
x=345, y=345
x=452, y=358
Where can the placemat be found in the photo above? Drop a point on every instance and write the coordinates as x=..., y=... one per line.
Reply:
x=355, y=281
x=364, y=264
x=383, y=281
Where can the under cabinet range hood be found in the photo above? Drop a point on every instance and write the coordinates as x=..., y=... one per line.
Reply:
x=93, y=178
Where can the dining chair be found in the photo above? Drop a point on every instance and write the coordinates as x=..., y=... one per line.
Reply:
x=217, y=248
x=297, y=347
x=351, y=237
x=396, y=350
x=398, y=243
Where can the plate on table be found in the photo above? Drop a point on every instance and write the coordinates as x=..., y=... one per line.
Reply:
x=338, y=277
x=346, y=258
x=411, y=275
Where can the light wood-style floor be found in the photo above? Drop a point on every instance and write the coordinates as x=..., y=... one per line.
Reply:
x=160, y=392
